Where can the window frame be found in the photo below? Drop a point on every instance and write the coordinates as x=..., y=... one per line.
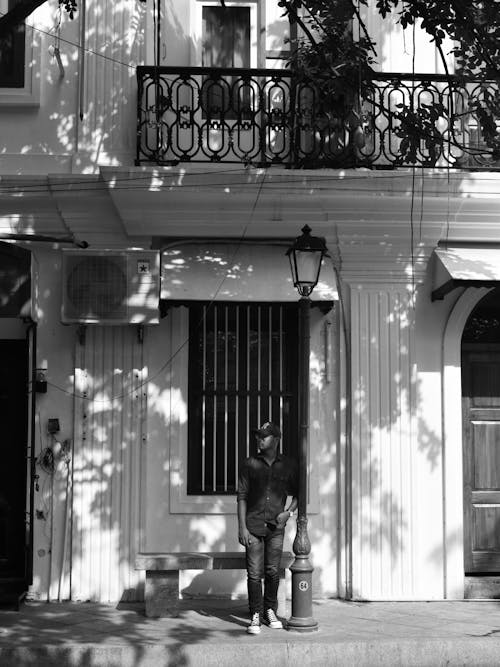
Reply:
x=29, y=94
x=256, y=32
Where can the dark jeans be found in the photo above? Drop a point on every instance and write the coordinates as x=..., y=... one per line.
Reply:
x=263, y=560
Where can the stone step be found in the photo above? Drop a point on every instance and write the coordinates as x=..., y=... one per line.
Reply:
x=482, y=588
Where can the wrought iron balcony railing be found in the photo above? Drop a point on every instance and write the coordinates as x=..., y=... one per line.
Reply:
x=261, y=116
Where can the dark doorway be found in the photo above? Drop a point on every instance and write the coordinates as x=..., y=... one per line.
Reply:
x=14, y=369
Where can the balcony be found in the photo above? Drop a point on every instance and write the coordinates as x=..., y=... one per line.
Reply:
x=266, y=117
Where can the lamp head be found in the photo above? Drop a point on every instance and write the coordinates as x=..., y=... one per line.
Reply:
x=306, y=255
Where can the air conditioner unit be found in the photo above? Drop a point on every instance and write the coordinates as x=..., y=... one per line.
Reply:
x=111, y=287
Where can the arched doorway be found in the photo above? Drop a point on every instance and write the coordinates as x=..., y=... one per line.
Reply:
x=480, y=350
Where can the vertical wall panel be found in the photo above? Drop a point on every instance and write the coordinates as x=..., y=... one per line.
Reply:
x=382, y=454
x=113, y=50
x=109, y=429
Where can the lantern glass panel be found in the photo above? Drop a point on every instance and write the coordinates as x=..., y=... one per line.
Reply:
x=308, y=264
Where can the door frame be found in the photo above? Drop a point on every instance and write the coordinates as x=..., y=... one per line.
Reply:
x=451, y=387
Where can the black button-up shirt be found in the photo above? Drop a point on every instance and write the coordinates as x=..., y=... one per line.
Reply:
x=265, y=488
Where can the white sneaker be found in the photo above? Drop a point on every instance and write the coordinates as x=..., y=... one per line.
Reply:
x=272, y=620
x=254, y=627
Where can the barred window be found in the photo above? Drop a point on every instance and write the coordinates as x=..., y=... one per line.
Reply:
x=243, y=361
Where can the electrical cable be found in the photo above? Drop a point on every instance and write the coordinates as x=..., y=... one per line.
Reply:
x=270, y=186
x=149, y=176
x=104, y=184
x=46, y=460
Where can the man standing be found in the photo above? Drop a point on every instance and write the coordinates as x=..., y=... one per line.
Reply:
x=264, y=483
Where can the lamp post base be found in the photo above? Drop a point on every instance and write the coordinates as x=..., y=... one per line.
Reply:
x=302, y=625
x=302, y=619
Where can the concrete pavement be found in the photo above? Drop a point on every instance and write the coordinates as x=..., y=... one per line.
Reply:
x=210, y=633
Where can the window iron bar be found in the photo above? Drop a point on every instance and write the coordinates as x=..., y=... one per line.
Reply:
x=225, y=356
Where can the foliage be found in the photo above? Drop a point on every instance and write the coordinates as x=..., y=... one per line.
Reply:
x=329, y=48
x=342, y=65
x=69, y=6
x=417, y=126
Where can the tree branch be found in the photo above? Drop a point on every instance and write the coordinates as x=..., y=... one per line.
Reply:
x=291, y=11
x=363, y=28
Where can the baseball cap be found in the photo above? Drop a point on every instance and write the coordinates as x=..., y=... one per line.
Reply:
x=268, y=429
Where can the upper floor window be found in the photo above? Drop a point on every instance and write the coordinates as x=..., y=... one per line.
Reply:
x=242, y=372
x=226, y=36
x=227, y=40
x=12, y=52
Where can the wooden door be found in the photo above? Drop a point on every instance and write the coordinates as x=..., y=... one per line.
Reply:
x=13, y=446
x=481, y=450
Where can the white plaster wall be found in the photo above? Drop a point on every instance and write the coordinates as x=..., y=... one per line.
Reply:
x=102, y=412
x=428, y=473
x=277, y=27
x=55, y=344
x=176, y=42
x=397, y=452
x=383, y=453
x=407, y=516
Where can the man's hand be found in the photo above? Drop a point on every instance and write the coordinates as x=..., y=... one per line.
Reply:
x=244, y=536
x=282, y=518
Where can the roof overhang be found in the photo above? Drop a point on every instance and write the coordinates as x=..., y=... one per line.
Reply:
x=235, y=271
x=465, y=266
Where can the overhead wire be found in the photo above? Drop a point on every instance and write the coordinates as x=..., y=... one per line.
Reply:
x=270, y=185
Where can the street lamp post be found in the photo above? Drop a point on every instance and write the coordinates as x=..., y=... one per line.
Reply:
x=305, y=255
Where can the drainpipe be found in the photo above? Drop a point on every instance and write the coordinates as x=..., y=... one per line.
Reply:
x=32, y=460
x=81, y=73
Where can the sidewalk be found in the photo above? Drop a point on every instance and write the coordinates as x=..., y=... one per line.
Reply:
x=212, y=633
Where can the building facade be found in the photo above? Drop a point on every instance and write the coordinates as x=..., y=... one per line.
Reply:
x=153, y=172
